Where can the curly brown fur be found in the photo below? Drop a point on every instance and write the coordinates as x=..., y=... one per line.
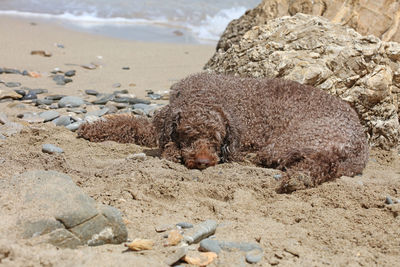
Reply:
x=289, y=126
x=121, y=128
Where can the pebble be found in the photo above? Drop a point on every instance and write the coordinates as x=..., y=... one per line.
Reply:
x=20, y=92
x=254, y=256
x=89, y=66
x=155, y=96
x=51, y=149
x=126, y=68
x=12, y=84
x=91, y=92
x=116, y=85
x=102, y=100
x=32, y=118
x=174, y=237
x=137, y=156
x=70, y=73
x=174, y=258
x=10, y=95
x=163, y=228
x=200, y=258
x=77, y=110
x=201, y=231
x=59, y=79
x=124, y=91
x=210, y=245
x=184, y=225
x=91, y=119
x=39, y=91
x=54, y=97
x=277, y=177
x=11, y=71
x=63, y=120
x=49, y=115
x=46, y=102
x=1, y=71
x=74, y=126
x=3, y=118
x=139, y=101
x=388, y=200
x=29, y=96
x=70, y=102
x=99, y=112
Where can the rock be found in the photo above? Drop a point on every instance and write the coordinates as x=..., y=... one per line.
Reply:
x=11, y=71
x=177, y=256
x=70, y=102
x=137, y=156
x=174, y=238
x=63, y=214
x=89, y=66
x=91, y=92
x=3, y=118
x=12, y=84
x=32, y=118
x=29, y=96
x=388, y=200
x=147, y=109
x=41, y=53
x=103, y=99
x=99, y=112
x=10, y=128
x=63, y=120
x=51, y=149
x=39, y=91
x=163, y=228
x=126, y=68
x=20, y=92
x=379, y=17
x=61, y=80
x=49, y=115
x=140, y=244
x=54, y=97
x=10, y=95
x=124, y=91
x=362, y=70
x=46, y=102
x=254, y=256
x=184, y=225
x=201, y=231
x=200, y=258
x=116, y=85
x=74, y=126
x=77, y=110
x=155, y=96
x=139, y=101
x=70, y=73
x=91, y=119
x=210, y=245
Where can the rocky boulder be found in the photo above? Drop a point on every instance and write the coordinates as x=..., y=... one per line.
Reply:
x=362, y=70
x=50, y=208
x=380, y=17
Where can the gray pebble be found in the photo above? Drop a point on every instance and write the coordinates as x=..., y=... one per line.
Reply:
x=29, y=96
x=1, y=71
x=277, y=176
x=70, y=102
x=155, y=96
x=46, y=102
x=12, y=84
x=25, y=73
x=99, y=112
x=103, y=99
x=124, y=91
x=20, y=92
x=91, y=118
x=140, y=112
x=74, y=126
x=11, y=71
x=77, y=110
x=137, y=156
x=388, y=200
x=174, y=258
x=116, y=85
x=126, y=68
x=39, y=91
x=51, y=149
x=209, y=245
x=62, y=120
x=49, y=115
x=54, y=97
x=242, y=246
x=91, y=92
x=138, y=101
x=59, y=79
x=70, y=73
x=201, y=231
x=184, y=225
x=254, y=256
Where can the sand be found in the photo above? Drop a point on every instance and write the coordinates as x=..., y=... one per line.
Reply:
x=341, y=223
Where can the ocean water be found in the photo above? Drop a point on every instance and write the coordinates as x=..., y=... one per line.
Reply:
x=190, y=21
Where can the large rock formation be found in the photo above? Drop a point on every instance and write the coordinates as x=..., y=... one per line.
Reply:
x=362, y=70
x=379, y=17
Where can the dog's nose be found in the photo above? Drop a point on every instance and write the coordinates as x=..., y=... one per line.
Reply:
x=202, y=163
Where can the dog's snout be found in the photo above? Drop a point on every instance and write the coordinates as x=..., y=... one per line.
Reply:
x=203, y=162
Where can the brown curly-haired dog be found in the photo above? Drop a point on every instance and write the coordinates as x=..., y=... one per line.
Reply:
x=309, y=134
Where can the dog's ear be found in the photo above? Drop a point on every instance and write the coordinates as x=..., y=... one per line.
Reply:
x=230, y=141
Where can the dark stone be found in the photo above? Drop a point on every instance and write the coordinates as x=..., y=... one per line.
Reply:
x=54, y=97
x=138, y=101
x=91, y=92
x=63, y=120
x=11, y=71
x=70, y=102
x=154, y=96
x=67, y=80
x=29, y=96
x=25, y=73
x=70, y=73
x=126, y=68
x=39, y=91
x=12, y=84
x=124, y=91
x=1, y=71
x=102, y=100
x=20, y=92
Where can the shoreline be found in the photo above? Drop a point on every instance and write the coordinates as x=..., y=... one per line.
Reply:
x=152, y=66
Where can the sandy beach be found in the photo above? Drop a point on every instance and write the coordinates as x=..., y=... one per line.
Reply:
x=340, y=223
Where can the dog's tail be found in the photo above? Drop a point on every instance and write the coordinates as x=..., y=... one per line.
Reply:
x=121, y=128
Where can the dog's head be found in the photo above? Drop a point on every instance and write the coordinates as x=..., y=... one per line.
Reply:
x=203, y=135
